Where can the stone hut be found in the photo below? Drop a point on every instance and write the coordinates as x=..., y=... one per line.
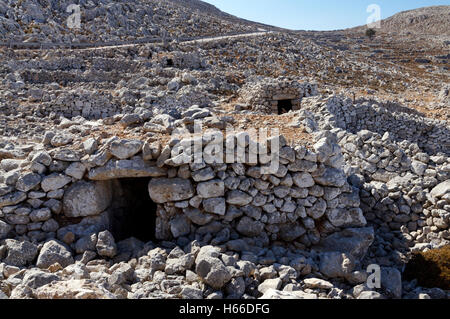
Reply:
x=143, y=190
x=276, y=96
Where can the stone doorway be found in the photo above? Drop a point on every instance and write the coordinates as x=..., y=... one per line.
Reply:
x=133, y=211
x=284, y=106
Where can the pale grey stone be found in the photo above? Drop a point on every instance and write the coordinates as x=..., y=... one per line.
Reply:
x=270, y=284
x=54, y=181
x=249, y=227
x=211, y=269
x=180, y=226
x=214, y=188
x=28, y=182
x=370, y=295
x=54, y=252
x=318, y=209
x=87, y=198
x=123, y=149
x=42, y=158
x=40, y=215
x=202, y=175
x=238, y=198
x=391, y=281
x=316, y=283
x=441, y=189
x=35, y=278
x=76, y=170
x=352, y=241
x=90, y=146
x=198, y=217
x=344, y=217
x=4, y=229
x=336, y=265
x=331, y=177
x=163, y=190
x=20, y=253
x=12, y=199
x=215, y=206
x=277, y=294
x=126, y=169
x=106, y=245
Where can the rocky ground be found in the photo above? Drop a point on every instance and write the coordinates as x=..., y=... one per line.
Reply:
x=428, y=20
x=46, y=21
x=383, y=103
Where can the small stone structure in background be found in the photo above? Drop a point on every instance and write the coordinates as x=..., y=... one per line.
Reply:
x=276, y=96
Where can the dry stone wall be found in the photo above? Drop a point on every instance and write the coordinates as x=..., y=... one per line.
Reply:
x=403, y=188
x=433, y=136
x=69, y=193
x=98, y=86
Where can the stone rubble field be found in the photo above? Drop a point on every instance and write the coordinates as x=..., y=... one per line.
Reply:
x=98, y=202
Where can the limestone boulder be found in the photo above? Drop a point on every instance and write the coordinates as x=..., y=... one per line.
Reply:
x=106, y=245
x=12, y=199
x=238, y=198
x=336, y=265
x=441, y=189
x=370, y=295
x=55, y=181
x=290, y=232
x=249, y=227
x=73, y=289
x=274, y=283
x=343, y=217
x=134, y=168
x=353, y=242
x=316, y=283
x=40, y=215
x=163, y=190
x=277, y=295
x=212, y=270
x=35, y=278
x=209, y=189
x=180, y=226
x=123, y=149
x=331, y=177
x=391, y=281
x=418, y=167
x=303, y=180
x=215, y=206
x=323, y=149
x=5, y=228
x=76, y=170
x=20, y=253
x=28, y=181
x=198, y=217
x=54, y=252
x=87, y=198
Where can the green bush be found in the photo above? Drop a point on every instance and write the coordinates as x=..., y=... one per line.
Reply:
x=370, y=33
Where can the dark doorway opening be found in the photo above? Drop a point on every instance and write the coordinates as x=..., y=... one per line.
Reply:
x=134, y=213
x=284, y=106
x=169, y=62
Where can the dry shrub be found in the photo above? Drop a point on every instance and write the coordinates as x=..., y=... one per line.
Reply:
x=431, y=268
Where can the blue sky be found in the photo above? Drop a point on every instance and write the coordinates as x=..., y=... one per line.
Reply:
x=316, y=14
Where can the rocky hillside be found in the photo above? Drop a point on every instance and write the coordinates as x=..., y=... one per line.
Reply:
x=433, y=20
x=101, y=195
x=46, y=21
x=209, y=9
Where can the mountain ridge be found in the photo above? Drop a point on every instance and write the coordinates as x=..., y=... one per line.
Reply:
x=432, y=20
